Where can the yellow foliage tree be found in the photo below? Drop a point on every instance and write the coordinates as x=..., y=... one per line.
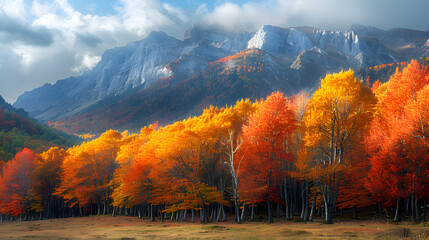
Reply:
x=337, y=115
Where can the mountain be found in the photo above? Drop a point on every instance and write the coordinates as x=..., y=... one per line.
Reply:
x=159, y=68
x=19, y=130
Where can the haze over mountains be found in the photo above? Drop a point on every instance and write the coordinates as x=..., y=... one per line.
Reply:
x=161, y=78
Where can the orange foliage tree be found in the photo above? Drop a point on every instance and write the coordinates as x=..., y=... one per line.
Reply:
x=88, y=171
x=47, y=176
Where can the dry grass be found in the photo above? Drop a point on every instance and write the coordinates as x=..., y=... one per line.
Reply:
x=127, y=228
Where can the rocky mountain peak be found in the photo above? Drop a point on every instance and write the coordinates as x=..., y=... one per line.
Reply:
x=303, y=54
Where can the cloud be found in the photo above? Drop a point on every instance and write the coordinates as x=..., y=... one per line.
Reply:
x=87, y=61
x=88, y=39
x=330, y=14
x=13, y=8
x=14, y=31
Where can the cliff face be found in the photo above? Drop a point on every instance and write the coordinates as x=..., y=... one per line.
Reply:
x=302, y=54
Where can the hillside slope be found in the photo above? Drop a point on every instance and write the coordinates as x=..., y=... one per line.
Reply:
x=19, y=130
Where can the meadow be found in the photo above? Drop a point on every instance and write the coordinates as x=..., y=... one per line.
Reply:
x=123, y=227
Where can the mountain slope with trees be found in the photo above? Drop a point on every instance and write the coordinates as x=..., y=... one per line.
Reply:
x=18, y=130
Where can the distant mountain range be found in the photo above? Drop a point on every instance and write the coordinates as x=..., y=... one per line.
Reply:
x=161, y=78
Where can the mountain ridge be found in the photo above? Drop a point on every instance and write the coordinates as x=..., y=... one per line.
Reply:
x=301, y=54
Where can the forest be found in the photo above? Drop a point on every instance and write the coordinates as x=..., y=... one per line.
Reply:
x=347, y=146
x=19, y=130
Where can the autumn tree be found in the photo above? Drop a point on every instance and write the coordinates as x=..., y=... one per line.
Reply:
x=397, y=140
x=336, y=118
x=16, y=185
x=185, y=166
x=353, y=193
x=299, y=170
x=266, y=140
x=47, y=176
x=229, y=123
x=137, y=172
x=88, y=171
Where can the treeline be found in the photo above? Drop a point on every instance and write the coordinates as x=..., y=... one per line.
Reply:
x=349, y=146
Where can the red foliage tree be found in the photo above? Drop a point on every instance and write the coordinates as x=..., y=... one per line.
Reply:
x=266, y=140
x=397, y=138
x=16, y=184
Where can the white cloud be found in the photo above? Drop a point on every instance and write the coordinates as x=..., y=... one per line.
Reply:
x=87, y=61
x=14, y=9
x=39, y=9
x=330, y=14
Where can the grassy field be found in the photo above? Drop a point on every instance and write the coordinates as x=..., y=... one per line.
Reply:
x=120, y=227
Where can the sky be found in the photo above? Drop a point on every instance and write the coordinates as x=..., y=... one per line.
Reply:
x=42, y=41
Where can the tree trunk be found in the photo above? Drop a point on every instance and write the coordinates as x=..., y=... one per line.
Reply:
x=219, y=210
x=417, y=210
x=252, y=217
x=286, y=196
x=223, y=213
x=242, y=213
x=237, y=211
x=113, y=211
x=424, y=211
x=270, y=210
x=213, y=212
x=327, y=197
x=192, y=215
x=354, y=213
x=184, y=214
x=303, y=203
x=328, y=213
x=206, y=214
x=105, y=208
x=313, y=206
x=152, y=218
x=396, y=218
x=306, y=203
x=99, y=209
x=407, y=204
